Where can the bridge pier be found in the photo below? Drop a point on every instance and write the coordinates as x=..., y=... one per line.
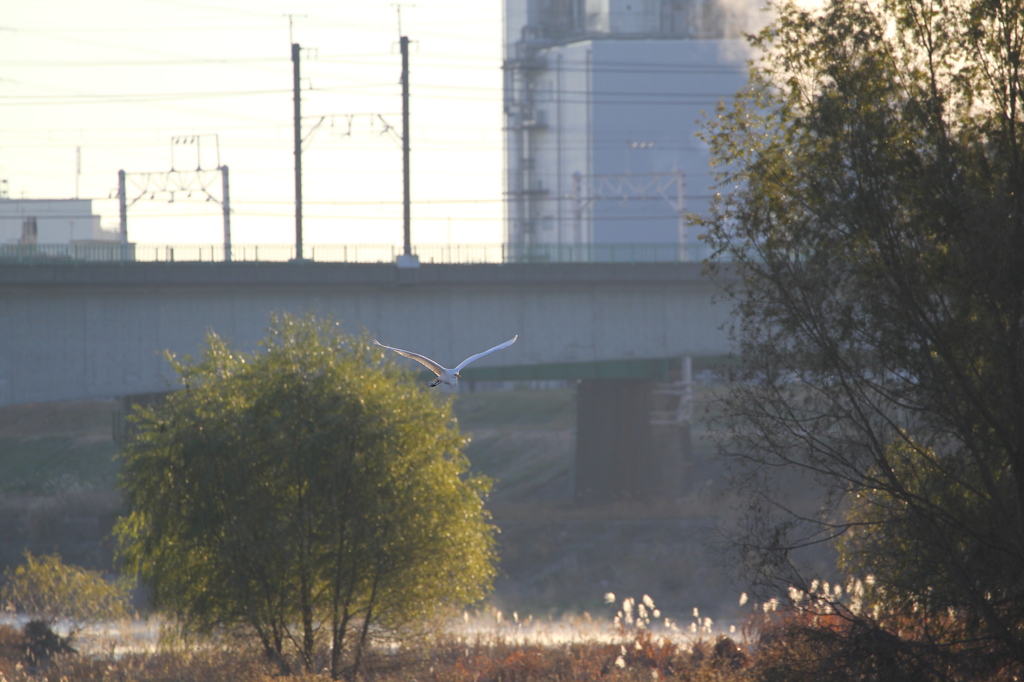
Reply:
x=624, y=451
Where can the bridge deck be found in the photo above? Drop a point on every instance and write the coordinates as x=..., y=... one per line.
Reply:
x=98, y=330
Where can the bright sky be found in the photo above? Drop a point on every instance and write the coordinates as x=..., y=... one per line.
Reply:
x=120, y=78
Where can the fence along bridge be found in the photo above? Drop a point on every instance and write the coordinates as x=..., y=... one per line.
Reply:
x=448, y=254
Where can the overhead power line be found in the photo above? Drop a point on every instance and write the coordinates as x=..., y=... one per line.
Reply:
x=136, y=63
x=64, y=100
x=650, y=99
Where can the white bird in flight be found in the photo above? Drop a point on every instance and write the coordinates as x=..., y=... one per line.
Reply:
x=444, y=375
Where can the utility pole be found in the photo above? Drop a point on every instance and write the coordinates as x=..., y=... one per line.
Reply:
x=404, y=42
x=298, y=151
x=681, y=216
x=579, y=204
x=226, y=205
x=122, y=196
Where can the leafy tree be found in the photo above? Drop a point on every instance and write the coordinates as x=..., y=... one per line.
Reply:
x=307, y=493
x=872, y=221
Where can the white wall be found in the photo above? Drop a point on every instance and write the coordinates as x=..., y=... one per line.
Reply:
x=58, y=221
x=618, y=95
x=649, y=97
x=621, y=107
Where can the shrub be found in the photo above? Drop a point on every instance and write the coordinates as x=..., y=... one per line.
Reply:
x=47, y=589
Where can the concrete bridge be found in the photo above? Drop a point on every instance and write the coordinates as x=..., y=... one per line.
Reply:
x=96, y=331
x=91, y=331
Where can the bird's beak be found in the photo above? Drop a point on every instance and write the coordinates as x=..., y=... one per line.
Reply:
x=458, y=376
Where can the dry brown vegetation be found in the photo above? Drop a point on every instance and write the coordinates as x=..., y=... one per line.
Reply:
x=784, y=646
x=449, y=659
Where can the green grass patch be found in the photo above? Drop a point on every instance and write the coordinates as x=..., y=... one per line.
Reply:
x=552, y=409
x=39, y=465
x=521, y=439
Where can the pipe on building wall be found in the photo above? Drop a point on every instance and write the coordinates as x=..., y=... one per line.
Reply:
x=558, y=145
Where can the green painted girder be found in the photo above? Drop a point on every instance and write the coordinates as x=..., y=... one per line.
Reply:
x=656, y=369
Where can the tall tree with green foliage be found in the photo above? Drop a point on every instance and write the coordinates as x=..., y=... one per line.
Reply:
x=309, y=493
x=871, y=214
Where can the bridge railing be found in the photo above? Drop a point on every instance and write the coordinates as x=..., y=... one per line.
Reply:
x=95, y=253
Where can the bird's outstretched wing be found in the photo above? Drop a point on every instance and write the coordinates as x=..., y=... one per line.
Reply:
x=422, y=359
x=480, y=355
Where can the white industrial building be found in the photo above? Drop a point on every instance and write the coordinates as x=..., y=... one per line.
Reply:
x=51, y=221
x=602, y=102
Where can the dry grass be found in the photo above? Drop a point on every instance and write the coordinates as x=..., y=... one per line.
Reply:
x=449, y=659
x=782, y=646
